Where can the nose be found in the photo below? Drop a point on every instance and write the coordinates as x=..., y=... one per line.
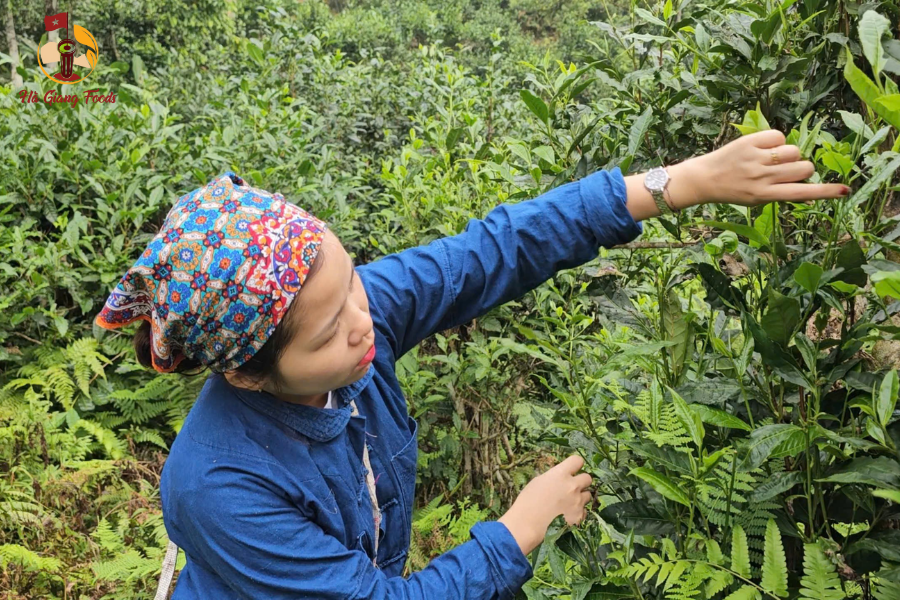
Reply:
x=364, y=324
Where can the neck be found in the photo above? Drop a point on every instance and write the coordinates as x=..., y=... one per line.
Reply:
x=319, y=400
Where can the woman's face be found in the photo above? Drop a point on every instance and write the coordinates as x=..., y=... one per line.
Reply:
x=333, y=332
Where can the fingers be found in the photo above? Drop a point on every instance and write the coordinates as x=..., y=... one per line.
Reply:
x=799, y=192
x=578, y=515
x=576, y=518
x=787, y=153
x=770, y=138
x=572, y=464
x=583, y=481
x=570, y=521
x=791, y=172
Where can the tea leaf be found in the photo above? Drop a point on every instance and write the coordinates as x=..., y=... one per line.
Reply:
x=535, y=105
x=662, y=484
x=647, y=16
x=778, y=439
x=777, y=484
x=887, y=398
x=638, y=516
x=877, y=472
x=754, y=121
x=808, y=276
x=891, y=102
x=639, y=129
x=719, y=418
x=781, y=317
x=866, y=89
x=872, y=27
x=887, y=283
x=744, y=230
x=892, y=495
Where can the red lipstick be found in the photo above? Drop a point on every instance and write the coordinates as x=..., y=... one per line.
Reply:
x=369, y=357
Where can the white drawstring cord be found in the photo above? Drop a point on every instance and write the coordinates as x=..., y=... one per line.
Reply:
x=168, y=565
x=168, y=571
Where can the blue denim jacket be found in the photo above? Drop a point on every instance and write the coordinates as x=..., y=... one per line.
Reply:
x=268, y=499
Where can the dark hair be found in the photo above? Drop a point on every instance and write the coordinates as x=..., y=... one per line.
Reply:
x=263, y=365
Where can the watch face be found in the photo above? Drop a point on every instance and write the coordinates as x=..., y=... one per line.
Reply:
x=656, y=179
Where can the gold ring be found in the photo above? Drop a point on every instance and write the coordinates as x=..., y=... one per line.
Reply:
x=774, y=156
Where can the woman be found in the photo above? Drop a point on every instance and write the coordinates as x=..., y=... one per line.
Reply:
x=294, y=474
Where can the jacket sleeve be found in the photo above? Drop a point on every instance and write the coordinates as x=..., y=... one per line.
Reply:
x=514, y=249
x=263, y=546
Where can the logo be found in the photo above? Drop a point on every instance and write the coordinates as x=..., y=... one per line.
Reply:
x=72, y=69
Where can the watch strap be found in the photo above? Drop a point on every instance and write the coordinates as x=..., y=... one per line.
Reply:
x=662, y=204
x=670, y=204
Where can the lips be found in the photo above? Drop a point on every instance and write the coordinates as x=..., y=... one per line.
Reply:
x=369, y=357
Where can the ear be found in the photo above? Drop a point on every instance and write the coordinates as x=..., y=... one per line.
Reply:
x=238, y=380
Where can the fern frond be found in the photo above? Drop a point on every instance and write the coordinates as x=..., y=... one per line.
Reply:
x=144, y=403
x=718, y=581
x=674, y=574
x=126, y=567
x=47, y=355
x=662, y=425
x=424, y=518
x=30, y=561
x=18, y=508
x=147, y=436
x=108, y=539
x=745, y=593
x=887, y=590
x=740, y=554
x=85, y=355
x=714, y=553
x=820, y=581
x=774, y=569
x=115, y=447
x=59, y=382
x=468, y=515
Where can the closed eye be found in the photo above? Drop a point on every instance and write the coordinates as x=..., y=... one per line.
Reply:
x=337, y=327
x=334, y=335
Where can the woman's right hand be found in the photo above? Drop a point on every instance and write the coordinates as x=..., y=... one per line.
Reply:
x=559, y=491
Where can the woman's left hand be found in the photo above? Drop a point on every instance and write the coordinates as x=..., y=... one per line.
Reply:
x=755, y=169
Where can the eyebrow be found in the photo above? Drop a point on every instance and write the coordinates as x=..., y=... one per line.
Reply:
x=338, y=313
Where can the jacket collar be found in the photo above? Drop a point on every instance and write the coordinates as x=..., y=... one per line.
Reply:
x=319, y=424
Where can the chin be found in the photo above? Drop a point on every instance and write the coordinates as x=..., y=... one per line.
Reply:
x=359, y=372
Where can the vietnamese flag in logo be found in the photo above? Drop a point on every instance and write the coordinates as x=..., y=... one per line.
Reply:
x=57, y=21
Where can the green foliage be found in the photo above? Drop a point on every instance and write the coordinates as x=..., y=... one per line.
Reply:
x=439, y=526
x=734, y=397
x=776, y=437
x=740, y=554
x=819, y=578
x=774, y=569
x=707, y=576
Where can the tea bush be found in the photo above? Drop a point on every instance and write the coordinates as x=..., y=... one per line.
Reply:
x=732, y=384
x=747, y=416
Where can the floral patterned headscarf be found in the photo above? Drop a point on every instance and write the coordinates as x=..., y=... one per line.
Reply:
x=219, y=276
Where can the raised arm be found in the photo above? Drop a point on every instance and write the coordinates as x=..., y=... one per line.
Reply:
x=263, y=546
x=516, y=247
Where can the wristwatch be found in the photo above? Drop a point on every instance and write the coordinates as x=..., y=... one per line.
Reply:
x=656, y=180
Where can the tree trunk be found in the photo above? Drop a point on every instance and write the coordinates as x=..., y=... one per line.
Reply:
x=13, y=46
x=51, y=8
